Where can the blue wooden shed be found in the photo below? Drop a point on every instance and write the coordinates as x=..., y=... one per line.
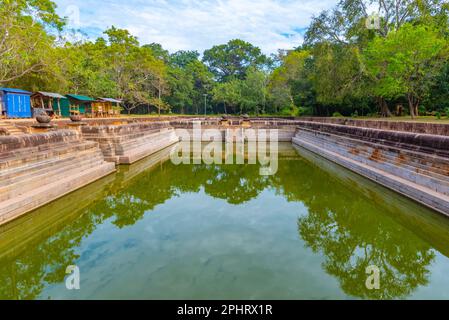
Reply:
x=15, y=103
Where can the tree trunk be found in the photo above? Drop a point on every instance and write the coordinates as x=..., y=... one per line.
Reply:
x=413, y=106
x=383, y=106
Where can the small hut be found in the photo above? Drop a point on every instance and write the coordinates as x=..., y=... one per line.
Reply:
x=80, y=104
x=104, y=107
x=52, y=103
x=15, y=103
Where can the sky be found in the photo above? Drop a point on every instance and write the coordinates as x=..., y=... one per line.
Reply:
x=198, y=24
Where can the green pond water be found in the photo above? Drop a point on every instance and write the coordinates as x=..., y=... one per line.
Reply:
x=155, y=230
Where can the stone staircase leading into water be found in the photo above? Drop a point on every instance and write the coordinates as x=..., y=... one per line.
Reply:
x=126, y=144
x=416, y=165
x=37, y=169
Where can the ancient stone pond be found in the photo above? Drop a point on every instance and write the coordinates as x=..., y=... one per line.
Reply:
x=155, y=230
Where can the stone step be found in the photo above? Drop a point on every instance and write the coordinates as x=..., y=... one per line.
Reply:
x=423, y=177
x=426, y=196
x=46, y=193
x=374, y=135
x=45, y=163
x=411, y=150
x=146, y=150
x=44, y=177
x=30, y=155
x=435, y=166
x=47, y=167
x=127, y=146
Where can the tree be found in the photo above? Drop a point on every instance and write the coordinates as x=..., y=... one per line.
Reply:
x=232, y=60
x=203, y=82
x=406, y=62
x=182, y=58
x=343, y=32
x=158, y=51
x=347, y=22
x=254, y=91
x=284, y=83
x=139, y=76
x=228, y=93
x=181, y=86
x=25, y=45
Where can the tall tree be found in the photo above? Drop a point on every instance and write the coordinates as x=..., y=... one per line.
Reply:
x=282, y=80
x=232, y=60
x=407, y=62
x=25, y=45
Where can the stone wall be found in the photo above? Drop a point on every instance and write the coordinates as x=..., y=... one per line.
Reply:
x=126, y=144
x=39, y=168
x=416, y=165
x=238, y=127
x=405, y=126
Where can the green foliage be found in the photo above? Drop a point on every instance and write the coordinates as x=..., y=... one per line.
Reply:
x=406, y=62
x=343, y=67
x=26, y=48
x=232, y=60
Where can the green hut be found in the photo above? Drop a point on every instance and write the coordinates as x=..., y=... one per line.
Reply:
x=80, y=104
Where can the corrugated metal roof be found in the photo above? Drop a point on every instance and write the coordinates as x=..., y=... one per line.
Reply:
x=51, y=95
x=80, y=98
x=13, y=90
x=111, y=100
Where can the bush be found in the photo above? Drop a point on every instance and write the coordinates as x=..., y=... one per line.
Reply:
x=291, y=111
x=438, y=115
x=337, y=115
x=422, y=111
x=447, y=112
x=355, y=114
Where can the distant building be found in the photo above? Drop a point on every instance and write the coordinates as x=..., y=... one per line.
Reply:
x=52, y=103
x=104, y=107
x=15, y=103
x=80, y=104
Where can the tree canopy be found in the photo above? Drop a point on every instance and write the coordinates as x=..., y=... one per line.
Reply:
x=352, y=62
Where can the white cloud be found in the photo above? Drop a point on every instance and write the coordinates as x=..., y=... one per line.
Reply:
x=200, y=24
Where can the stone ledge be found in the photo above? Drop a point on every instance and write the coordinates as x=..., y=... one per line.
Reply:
x=405, y=126
x=430, y=198
x=427, y=143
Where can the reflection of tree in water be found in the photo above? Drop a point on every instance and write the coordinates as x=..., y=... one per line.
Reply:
x=343, y=225
x=24, y=276
x=126, y=202
x=234, y=183
x=353, y=233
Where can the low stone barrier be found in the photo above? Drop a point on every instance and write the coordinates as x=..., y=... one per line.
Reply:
x=416, y=165
x=391, y=125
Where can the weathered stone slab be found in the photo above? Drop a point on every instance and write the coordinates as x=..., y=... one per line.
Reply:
x=126, y=144
x=39, y=168
x=415, y=165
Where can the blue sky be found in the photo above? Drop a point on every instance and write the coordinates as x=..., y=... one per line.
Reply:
x=198, y=24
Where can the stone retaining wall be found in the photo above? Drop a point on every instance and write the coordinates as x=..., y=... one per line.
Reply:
x=126, y=144
x=405, y=126
x=416, y=165
x=36, y=169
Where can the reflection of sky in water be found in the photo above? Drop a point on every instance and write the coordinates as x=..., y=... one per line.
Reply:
x=202, y=232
